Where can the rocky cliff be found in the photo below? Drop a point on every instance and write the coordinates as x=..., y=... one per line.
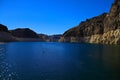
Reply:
x=103, y=29
x=5, y=35
x=3, y=28
x=112, y=19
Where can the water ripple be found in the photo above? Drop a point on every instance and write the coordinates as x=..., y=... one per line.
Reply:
x=6, y=72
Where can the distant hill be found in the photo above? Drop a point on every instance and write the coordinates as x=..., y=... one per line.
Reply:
x=50, y=38
x=24, y=34
x=55, y=38
x=102, y=29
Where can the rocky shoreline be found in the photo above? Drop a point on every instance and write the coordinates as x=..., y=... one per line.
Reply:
x=102, y=29
x=110, y=37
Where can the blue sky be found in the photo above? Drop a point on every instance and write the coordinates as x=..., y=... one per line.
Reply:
x=50, y=16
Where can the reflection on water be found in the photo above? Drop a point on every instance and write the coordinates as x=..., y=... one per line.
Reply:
x=108, y=57
x=59, y=61
x=111, y=60
x=5, y=68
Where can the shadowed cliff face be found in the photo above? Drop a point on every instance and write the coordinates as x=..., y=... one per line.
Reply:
x=3, y=28
x=103, y=29
x=5, y=35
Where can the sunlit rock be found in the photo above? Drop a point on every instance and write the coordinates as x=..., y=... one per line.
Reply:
x=103, y=29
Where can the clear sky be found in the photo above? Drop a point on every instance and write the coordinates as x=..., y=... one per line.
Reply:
x=49, y=16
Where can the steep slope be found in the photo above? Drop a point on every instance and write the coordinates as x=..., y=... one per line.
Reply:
x=3, y=28
x=5, y=35
x=111, y=27
x=84, y=30
x=104, y=29
x=89, y=27
x=112, y=20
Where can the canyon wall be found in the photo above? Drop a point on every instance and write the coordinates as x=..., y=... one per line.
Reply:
x=102, y=29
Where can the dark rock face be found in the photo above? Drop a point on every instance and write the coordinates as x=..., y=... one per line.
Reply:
x=89, y=27
x=112, y=20
x=5, y=35
x=3, y=28
x=24, y=33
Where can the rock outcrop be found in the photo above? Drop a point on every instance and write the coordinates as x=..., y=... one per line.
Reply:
x=3, y=28
x=112, y=20
x=103, y=29
x=5, y=35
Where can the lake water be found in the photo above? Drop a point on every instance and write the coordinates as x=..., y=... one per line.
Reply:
x=59, y=61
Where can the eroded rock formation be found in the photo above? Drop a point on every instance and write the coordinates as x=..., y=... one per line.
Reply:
x=103, y=29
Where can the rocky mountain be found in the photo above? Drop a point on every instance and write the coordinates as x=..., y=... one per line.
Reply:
x=3, y=28
x=24, y=34
x=112, y=19
x=103, y=29
x=50, y=38
x=89, y=27
x=20, y=34
x=54, y=38
x=44, y=37
x=5, y=35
